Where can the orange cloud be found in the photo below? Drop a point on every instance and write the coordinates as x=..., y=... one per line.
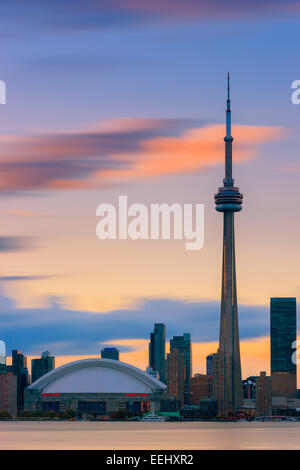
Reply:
x=23, y=213
x=194, y=150
x=124, y=149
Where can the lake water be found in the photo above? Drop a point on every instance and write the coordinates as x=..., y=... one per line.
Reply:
x=138, y=435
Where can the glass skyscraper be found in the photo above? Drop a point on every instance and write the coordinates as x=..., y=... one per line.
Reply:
x=283, y=334
x=157, y=350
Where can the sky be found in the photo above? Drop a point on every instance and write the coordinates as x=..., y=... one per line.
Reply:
x=109, y=98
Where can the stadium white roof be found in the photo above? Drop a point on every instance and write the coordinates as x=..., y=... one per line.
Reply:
x=97, y=376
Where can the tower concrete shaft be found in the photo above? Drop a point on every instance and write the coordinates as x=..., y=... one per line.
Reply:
x=229, y=200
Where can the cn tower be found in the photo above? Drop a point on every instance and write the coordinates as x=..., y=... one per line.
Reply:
x=228, y=368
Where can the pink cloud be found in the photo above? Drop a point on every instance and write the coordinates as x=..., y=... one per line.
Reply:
x=194, y=150
x=124, y=149
x=203, y=9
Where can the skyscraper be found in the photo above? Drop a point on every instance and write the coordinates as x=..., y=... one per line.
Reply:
x=40, y=367
x=184, y=345
x=157, y=350
x=283, y=334
x=229, y=200
x=110, y=353
x=19, y=368
x=175, y=375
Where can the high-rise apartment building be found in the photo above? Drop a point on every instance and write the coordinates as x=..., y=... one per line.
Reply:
x=184, y=345
x=175, y=375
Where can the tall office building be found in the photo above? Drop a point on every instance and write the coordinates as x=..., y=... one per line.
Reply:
x=175, y=375
x=40, y=367
x=184, y=345
x=19, y=368
x=229, y=200
x=157, y=350
x=110, y=353
x=263, y=395
x=283, y=334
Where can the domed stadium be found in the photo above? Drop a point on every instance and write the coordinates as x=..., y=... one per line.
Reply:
x=95, y=387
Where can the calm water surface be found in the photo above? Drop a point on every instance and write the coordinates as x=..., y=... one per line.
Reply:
x=137, y=435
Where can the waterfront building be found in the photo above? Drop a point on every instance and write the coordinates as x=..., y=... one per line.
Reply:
x=95, y=387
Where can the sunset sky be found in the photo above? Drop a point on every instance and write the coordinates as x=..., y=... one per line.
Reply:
x=127, y=97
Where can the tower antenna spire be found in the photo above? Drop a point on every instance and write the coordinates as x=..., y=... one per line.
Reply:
x=228, y=110
x=228, y=91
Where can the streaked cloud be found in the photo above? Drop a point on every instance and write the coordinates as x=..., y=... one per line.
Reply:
x=93, y=15
x=66, y=331
x=16, y=278
x=203, y=9
x=73, y=335
x=122, y=149
x=194, y=150
x=19, y=243
x=23, y=213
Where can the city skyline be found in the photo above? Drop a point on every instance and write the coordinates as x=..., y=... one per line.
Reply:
x=220, y=393
x=136, y=108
